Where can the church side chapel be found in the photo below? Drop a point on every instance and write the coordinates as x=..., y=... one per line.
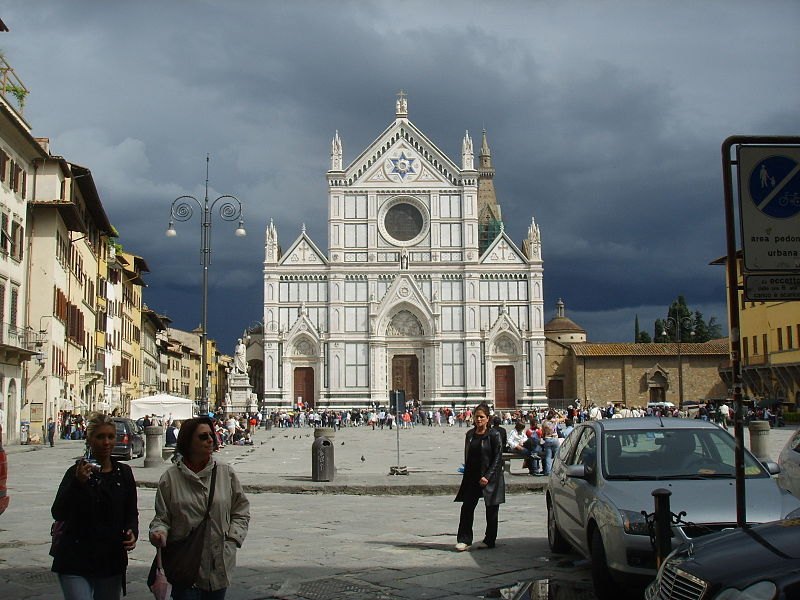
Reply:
x=421, y=289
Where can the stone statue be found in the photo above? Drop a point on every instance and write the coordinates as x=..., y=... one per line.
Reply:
x=240, y=358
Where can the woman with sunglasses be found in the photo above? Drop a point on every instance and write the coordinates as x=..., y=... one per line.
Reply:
x=181, y=502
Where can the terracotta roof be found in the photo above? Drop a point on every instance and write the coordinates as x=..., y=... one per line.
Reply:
x=563, y=324
x=713, y=347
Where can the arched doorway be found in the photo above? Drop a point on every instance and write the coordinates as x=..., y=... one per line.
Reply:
x=304, y=386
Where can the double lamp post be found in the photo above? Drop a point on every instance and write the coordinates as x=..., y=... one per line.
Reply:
x=182, y=209
x=678, y=323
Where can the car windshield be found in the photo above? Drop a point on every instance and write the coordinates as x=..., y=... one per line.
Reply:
x=673, y=454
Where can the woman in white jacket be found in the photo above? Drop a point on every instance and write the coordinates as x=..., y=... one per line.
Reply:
x=181, y=501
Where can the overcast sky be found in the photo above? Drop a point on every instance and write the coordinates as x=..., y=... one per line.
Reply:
x=605, y=121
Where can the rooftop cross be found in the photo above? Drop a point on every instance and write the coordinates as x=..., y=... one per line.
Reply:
x=401, y=107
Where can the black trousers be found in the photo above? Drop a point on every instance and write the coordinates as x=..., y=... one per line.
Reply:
x=468, y=516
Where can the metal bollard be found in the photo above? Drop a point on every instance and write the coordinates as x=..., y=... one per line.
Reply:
x=662, y=522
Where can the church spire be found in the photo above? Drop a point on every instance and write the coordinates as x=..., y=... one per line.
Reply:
x=489, y=216
x=336, y=152
x=486, y=153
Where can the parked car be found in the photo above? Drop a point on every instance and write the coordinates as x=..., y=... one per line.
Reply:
x=603, y=476
x=4, y=499
x=789, y=462
x=759, y=562
x=130, y=439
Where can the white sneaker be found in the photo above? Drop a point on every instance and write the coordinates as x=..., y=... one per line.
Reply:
x=461, y=546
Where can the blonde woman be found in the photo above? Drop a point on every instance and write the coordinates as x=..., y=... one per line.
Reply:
x=97, y=519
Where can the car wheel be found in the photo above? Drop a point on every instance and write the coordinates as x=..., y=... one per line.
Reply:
x=129, y=454
x=604, y=586
x=558, y=543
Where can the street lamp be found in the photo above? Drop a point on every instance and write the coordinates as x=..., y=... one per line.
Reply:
x=230, y=209
x=677, y=323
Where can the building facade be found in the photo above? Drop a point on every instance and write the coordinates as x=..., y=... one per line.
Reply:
x=770, y=347
x=420, y=289
x=629, y=374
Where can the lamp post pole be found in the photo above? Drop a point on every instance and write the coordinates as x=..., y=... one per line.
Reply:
x=230, y=209
x=677, y=323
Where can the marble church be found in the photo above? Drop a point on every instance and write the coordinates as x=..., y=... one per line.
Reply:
x=420, y=288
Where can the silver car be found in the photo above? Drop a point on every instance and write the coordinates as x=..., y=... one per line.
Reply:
x=603, y=476
x=789, y=462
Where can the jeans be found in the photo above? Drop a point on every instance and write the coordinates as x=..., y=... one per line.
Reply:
x=196, y=594
x=77, y=587
x=550, y=448
x=468, y=516
x=533, y=457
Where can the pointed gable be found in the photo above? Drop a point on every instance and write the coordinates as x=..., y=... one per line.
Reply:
x=303, y=252
x=404, y=294
x=502, y=251
x=402, y=154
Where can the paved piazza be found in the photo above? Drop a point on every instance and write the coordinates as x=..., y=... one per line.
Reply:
x=377, y=536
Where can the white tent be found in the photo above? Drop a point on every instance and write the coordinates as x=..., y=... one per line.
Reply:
x=162, y=405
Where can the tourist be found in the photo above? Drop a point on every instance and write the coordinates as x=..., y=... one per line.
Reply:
x=483, y=477
x=183, y=495
x=97, y=520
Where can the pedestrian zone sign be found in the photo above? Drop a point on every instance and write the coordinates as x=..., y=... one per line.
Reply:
x=769, y=208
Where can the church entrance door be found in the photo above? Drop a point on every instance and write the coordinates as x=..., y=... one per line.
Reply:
x=405, y=375
x=304, y=386
x=555, y=389
x=504, y=396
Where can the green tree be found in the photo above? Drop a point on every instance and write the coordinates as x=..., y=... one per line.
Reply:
x=691, y=325
x=644, y=338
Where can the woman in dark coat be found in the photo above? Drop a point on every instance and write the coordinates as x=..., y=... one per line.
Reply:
x=97, y=520
x=483, y=478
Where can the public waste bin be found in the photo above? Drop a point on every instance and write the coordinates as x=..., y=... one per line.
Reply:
x=323, y=467
x=759, y=439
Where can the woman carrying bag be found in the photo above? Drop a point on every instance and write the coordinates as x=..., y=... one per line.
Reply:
x=201, y=516
x=97, y=520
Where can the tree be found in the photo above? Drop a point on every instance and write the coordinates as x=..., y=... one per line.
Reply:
x=682, y=320
x=644, y=338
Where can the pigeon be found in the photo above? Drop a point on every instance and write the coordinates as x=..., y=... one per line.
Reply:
x=363, y=459
x=273, y=449
x=294, y=437
x=342, y=443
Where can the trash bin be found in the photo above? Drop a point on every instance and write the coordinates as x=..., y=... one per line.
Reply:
x=323, y=467
x=759, y=439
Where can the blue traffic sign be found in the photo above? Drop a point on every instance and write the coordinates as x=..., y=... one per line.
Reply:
x=774, y=186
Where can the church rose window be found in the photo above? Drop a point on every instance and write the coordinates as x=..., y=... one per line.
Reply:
x=404, y=222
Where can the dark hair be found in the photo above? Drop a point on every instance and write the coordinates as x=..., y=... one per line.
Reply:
x=483, y=407
x=186, y=433
x=519, y=425
x=496, y=420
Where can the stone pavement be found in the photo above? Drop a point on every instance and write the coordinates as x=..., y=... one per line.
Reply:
x=378, y=536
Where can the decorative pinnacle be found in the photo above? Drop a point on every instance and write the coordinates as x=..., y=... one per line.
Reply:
x=401, y=106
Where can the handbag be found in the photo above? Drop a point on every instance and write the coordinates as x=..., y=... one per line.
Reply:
x=159, y=585
x=181, y=559
x=57, y=530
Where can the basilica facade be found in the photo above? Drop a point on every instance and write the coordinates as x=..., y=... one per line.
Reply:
x=420, y=289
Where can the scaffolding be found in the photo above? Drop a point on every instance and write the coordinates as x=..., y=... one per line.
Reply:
x=488, y=231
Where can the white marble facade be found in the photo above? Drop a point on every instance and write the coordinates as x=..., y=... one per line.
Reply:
x=403, y=298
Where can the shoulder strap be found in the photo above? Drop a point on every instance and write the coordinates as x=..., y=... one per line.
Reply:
x=211, y=491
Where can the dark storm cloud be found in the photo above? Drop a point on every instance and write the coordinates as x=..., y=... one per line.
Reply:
x=605, y=121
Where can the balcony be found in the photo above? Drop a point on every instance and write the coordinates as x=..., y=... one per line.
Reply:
x=18, y=344
x=12, y=89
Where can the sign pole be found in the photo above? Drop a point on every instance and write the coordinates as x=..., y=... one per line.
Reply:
x=732, y=266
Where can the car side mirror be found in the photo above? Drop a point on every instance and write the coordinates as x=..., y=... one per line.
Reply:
x=578, y=471
x=772, y=467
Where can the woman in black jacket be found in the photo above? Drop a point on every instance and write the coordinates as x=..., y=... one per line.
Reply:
x=97, y=520
x=483, y=477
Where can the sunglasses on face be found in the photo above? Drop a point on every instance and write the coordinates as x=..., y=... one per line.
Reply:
x=205, y=436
